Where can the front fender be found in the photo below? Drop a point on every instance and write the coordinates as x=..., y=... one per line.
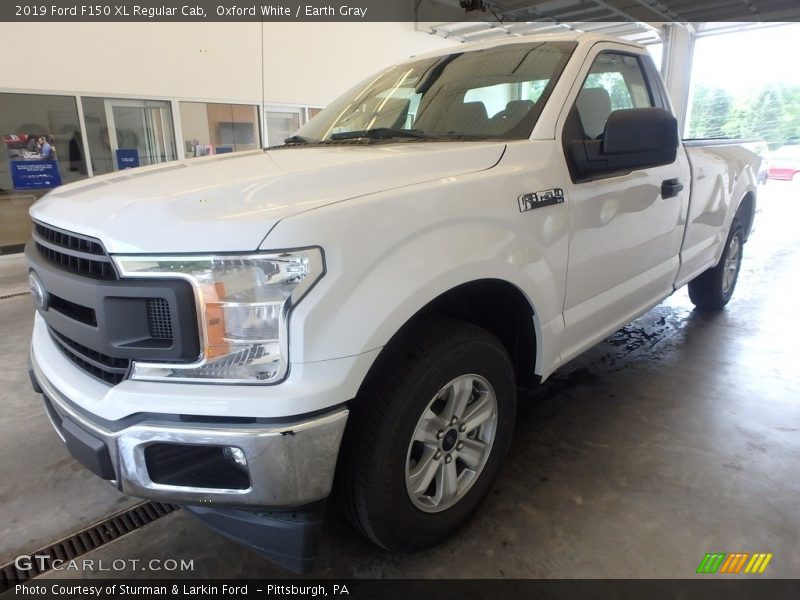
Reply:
x=390, y=254
x=368, y=312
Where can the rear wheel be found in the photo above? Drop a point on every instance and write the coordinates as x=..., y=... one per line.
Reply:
x=427, y=435
x=713, y=289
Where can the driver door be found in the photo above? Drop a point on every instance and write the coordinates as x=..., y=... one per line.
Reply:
x=625, y=236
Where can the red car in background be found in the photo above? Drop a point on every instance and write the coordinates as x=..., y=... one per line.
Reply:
x=784, y=163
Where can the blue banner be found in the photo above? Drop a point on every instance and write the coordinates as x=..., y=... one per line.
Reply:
x=35, y=174
x=224, y=149
x=127, y=158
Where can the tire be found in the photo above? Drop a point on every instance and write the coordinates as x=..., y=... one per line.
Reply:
x=712, y=289
x=381, y=462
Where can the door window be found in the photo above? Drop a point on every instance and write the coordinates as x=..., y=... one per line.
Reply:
x=615, y=82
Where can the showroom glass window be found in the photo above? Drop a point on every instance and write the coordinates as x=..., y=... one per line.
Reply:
x=128, y=133
x=218, y=128
x=42, y=148
x=281, y=123
x=496, y=93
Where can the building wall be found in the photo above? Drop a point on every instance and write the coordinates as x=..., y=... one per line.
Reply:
x=314, y=63
x=304, y=63
x=207, y=79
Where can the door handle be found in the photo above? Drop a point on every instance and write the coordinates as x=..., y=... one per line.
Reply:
x=671, y=187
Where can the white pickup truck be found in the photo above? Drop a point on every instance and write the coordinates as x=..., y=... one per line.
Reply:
x=355, y=310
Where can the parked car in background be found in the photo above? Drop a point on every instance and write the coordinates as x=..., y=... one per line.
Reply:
x=784, y=164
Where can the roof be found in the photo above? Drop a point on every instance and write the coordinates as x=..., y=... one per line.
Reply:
x=571, y=36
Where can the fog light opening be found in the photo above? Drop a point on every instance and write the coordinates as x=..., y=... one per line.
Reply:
x=235, y=455
x=198, y=466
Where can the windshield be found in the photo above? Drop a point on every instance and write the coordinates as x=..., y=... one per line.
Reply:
x=497, y=93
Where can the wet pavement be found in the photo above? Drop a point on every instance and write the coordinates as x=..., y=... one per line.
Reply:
x=678, y=435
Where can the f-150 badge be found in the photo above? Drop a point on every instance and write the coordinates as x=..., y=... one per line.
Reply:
x=540, y=199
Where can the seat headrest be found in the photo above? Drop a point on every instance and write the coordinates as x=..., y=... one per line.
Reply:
x=594, y=108
x=469, y=117
x=518, y=107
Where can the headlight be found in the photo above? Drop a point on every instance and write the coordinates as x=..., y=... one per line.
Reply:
x=243, y=307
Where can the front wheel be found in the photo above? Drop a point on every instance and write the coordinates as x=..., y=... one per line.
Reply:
x=427, y=435
x=712, y=289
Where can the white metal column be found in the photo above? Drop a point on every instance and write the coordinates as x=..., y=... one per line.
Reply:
x=84, y=137
x=177, y=129
x=676, y=67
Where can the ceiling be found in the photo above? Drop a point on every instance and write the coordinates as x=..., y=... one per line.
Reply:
x=636, y=20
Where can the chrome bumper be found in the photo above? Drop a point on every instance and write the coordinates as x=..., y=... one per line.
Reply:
x=290, y=464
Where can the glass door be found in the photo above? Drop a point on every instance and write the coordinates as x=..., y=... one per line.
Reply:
x=139, y=132
x=282, y=122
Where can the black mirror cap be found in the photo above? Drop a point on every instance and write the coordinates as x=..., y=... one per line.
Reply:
x=640, y=130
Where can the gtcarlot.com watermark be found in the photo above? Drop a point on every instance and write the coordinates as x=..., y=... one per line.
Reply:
x=45, y=562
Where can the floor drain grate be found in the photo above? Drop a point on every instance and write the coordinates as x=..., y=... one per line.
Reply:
x=85, y=541
x=17, y=295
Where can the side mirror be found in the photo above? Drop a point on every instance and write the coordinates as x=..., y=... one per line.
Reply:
x=635, y=138
x=652, y=132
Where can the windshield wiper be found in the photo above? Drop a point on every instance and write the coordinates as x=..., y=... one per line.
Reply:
x=381, y=133
x=298, y=139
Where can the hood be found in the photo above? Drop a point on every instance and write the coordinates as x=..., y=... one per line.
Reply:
x=230, y=202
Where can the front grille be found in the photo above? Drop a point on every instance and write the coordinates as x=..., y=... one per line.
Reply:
x=82, y=314
x=105, y=368
x=159, y=320
x=72, y=252
x=102, y=322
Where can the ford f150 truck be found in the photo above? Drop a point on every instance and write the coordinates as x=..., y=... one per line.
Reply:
x=355, y=310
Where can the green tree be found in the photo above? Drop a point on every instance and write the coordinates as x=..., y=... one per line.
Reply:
x=771, y=113
x=791, y=114
x=768, y=118
x=711, y=112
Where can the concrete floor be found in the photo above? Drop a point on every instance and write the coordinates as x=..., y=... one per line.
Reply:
x=677, y=436
x=44, y=493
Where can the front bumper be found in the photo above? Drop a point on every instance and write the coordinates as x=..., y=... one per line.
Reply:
x=288, y=464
